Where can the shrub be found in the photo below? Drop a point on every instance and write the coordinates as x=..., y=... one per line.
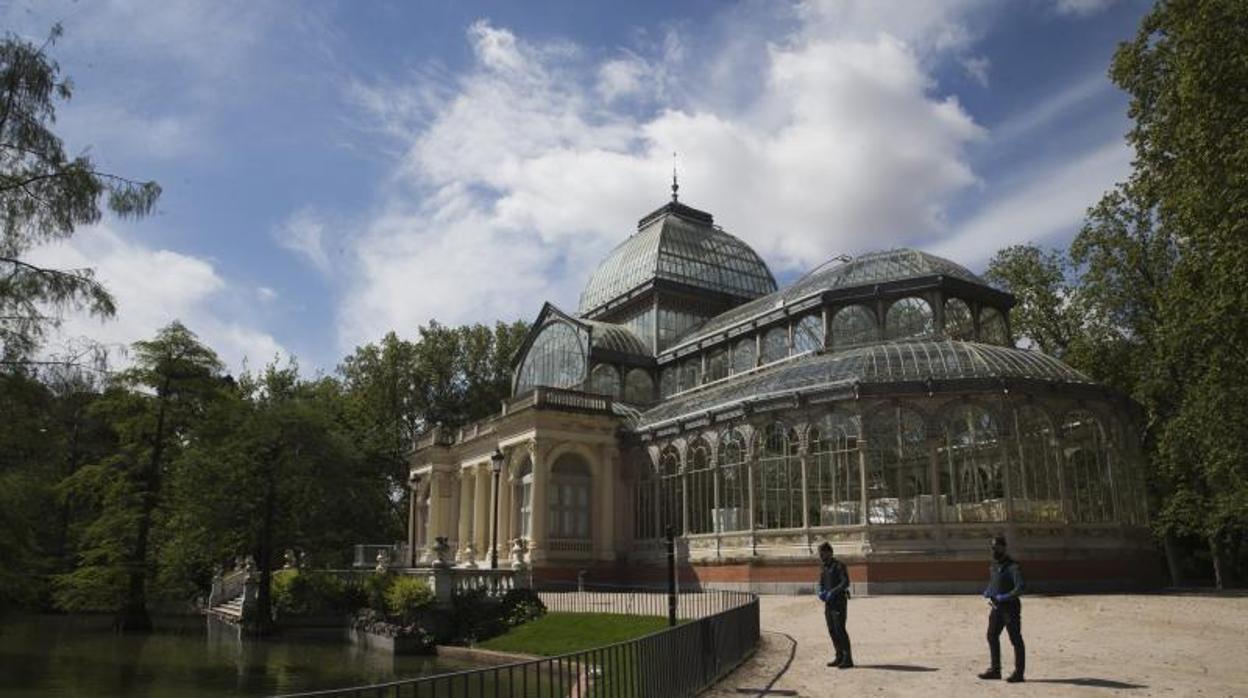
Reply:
x=375, y=588
x=521, y=606
x=297, y=593
x=478, y=616
x=406, y=596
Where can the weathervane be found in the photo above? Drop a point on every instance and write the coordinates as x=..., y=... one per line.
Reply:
x=675, y=186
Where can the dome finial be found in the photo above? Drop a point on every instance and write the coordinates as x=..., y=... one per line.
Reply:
x=675, y=186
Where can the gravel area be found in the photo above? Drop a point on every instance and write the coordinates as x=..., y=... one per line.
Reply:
x=1094, y=645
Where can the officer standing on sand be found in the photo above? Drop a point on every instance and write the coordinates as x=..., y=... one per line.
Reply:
x=1005, y=585
x=834, y=593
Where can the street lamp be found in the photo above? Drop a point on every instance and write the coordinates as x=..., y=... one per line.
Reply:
x=496, y=465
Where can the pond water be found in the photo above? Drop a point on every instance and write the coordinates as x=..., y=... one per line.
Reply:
x=81, y=656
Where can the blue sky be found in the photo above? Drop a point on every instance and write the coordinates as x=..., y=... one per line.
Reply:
x=335, y=170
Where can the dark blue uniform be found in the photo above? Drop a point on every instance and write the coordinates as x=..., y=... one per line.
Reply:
x=834, y=590
x=1005, y=585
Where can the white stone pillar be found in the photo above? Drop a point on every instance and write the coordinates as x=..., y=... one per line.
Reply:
x=481, y=510
x=465, y=513
x=541, y=482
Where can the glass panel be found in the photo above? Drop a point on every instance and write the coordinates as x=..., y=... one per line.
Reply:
x=671, y=483
x=669, y=381
x=992, y=327
x=569, y=497
x=910, y=318
x=604, y=380
x=1035, y=488
x=775, y=344
x=690, y=373
x=972, y=467
x=743, y=355
x=674, y=324
x=701, y=483
x=716, y=365
x=1089, y=480
x=898, y=465
x=808, y=334
x=778, y=481
x=833, y=477
x=556, y=359
x=638, y=387
x=959, y=323
x=642, y=324
x=732, y=513
x=852, y=325
x=645, y=501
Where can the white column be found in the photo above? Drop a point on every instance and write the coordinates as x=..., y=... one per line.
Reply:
x=481, y=510
x=541, y=481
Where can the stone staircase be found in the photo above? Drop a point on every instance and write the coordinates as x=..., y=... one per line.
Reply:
x=230, y=610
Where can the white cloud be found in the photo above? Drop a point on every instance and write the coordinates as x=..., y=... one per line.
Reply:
x=977, y=68
x=527, y=173
x=1051, y=107
x=303, y=232
x=1051, y=203
x=1082, y=8
x=152, y=288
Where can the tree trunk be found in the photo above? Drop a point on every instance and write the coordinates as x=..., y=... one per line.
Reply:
x=1218, y=554
x=1173, y=560
x=133, y=616
x=263, y=622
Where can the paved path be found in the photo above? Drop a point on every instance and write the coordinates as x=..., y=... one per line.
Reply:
x=932, y=646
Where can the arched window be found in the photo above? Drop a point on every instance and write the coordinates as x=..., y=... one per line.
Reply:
x=1035, y=487
x=556, y=359
x=645, y=501
x=853, y=325
x=833, y=475
x=522, y=495
x=909, y=318
x=775, y=344
x=992, y=327
x=959, y=322
x=671, y=485
x=972, y=467
x=1089, y=480
x=778, y=480
x=700, y=485
x=743, y=354
x=716, y=365
x=569, y=498
x=808, y=334
x=638, y=386
x=898, y=483
x=605, y=380
x=732, y=514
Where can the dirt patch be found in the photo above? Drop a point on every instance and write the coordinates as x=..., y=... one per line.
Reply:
x=1099, y=645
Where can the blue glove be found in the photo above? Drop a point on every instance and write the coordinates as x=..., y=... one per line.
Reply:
x=823, y=596
x=1001, y=598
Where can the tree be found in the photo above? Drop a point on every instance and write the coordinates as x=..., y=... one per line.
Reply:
x=271, y=470
x=45, y=195
x=1151, y=298
x=153, y=408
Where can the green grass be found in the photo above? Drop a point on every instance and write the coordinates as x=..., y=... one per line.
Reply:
x=561, y=633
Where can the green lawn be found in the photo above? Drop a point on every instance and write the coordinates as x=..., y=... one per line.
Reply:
x=560, y=633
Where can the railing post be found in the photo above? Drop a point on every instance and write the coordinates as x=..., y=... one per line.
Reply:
x=671, y=576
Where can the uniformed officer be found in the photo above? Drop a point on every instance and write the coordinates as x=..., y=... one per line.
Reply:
x=1005, y=585
x=834, y=593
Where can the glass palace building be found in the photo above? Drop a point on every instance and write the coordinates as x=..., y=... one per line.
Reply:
x=879, y=404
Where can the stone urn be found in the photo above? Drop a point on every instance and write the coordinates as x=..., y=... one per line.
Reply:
x=440, y=552
x=519, y=551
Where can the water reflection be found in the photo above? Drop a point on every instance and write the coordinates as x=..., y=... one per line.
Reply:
x=81, y=656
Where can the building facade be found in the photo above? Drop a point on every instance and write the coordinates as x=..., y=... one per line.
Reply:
x=878, y=403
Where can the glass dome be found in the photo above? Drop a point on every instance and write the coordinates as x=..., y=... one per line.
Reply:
x=679, y=243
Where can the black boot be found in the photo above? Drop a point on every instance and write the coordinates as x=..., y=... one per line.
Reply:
x=1016, y=677
x=837, y=661
x=847, y=662
x=993, y=673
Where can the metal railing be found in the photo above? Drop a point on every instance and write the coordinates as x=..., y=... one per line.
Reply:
x=719, y=630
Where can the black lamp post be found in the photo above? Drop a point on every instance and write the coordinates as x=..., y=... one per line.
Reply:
x=496, y=465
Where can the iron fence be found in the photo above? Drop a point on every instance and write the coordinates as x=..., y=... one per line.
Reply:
x=718, y=630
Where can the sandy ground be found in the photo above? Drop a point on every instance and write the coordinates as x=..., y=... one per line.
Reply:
x=1101, y=645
